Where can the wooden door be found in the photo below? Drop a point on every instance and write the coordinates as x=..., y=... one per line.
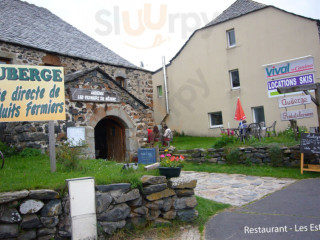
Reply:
x=115, y=141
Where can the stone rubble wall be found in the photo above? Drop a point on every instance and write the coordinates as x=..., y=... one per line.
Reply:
x=257, y=155
x=44, y=214
x=35, y=134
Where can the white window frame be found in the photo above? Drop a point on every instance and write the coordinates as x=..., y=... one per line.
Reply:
x=231, y=45
x=158, y=92
x=231, y=78
x=253, y=109
x=210, y=122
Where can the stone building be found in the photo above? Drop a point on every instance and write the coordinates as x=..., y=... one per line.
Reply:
x=30, y=35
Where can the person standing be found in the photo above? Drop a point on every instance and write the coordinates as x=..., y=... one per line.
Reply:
x=167, y=136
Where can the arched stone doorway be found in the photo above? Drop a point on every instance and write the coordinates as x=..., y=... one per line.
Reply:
x=116, y=114
x=110, y=139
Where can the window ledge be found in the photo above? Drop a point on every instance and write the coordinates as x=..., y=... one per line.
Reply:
x=231, y=47
x=216, y=126
x=236, y=88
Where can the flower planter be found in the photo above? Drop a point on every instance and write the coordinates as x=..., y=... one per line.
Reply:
x=170, y=172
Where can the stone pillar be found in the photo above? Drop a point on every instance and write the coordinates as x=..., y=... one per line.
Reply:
x=90, y=150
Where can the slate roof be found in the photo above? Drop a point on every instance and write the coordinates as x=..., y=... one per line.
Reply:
x=237, y=9
x=32, y=26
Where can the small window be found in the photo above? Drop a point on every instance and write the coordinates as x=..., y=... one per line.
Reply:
x=258, y=114
x=234, y=79
x=121, y=81
x=159, y=91
x=231, y=38
x=5, y=61
x=215, y=119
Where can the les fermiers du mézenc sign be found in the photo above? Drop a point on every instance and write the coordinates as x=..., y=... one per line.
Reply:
x=31, y=93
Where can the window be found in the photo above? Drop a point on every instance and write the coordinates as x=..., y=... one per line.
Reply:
x=5, y=61
x=231, y=38
x=121, y=81
x=234, y=79
x=215, y=119
x=258, y=114
x=159, y=91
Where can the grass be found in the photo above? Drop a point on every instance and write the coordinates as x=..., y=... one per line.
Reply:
x=254, y=170
x=206, y=209
x=34, y=173
x=188, y=142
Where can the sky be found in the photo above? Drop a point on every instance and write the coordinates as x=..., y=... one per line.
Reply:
x=144, y=31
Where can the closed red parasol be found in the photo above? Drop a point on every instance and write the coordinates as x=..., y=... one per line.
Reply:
x=239, y=115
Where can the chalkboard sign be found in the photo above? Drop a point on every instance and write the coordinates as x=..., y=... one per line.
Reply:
x=147, y=155
x=310, y=143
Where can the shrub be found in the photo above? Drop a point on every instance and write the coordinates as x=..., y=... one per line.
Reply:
x=224, y=140
x=290, y=132
x=233, y=156
x=275, y=155
x=177, y=134
x=30, y=152
x=247, y=162
x=69, y=156
x=6, y=150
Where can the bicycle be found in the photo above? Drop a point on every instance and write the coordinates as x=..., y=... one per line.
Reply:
x=2, y=158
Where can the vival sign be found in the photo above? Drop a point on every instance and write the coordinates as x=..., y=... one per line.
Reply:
x=31, y=93
x=289, y=73
x=289, y=68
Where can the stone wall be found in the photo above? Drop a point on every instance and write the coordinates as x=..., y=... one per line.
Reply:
x=34, y=134
x=255, y=155
x=44, y=214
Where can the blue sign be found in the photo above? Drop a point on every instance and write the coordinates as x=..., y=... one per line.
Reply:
x=289, y=82
x=147, y=156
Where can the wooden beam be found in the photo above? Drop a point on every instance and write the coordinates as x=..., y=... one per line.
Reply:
x=312, y=98
x=297, y=88
x=52, y=146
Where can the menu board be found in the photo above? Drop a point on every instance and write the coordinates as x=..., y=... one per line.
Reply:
x=310, y=143
x=147, y=155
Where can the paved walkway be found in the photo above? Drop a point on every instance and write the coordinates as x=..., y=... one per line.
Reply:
x=235, y=189
x=290, y=214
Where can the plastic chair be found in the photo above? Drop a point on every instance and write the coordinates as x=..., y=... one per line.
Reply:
x=271, y=129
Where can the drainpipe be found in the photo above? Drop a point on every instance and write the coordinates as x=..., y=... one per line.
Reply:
x=165, y=89
x=165, y=85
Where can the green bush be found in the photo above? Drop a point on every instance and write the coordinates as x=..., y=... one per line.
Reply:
x=275, y=155
x=247, y=162
x=233, y=156
x=290, y=132
x=69, y=156
x=6, y=150
x=224, y=140
x=30, y=152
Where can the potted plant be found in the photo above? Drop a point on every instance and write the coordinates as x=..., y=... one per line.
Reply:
x=170, y=166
